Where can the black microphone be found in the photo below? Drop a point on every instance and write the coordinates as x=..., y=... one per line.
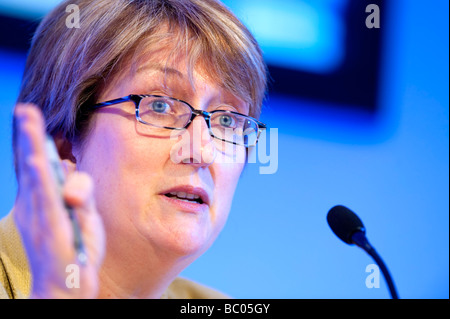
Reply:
x=350, y=229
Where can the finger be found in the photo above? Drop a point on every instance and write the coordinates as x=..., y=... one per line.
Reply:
x=31, y=129
x=21, y=144
x=48, y=199
x=26, y=196
x=34, y=168
x=78, y=191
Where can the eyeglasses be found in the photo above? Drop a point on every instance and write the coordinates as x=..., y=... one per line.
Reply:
x=174, y=114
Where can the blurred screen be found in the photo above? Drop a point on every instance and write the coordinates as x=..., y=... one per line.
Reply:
x=304, y=35
x=28, y=9
x=316, y=43
x=316, y=49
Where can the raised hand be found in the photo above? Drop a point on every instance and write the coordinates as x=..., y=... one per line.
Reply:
x=43, y=221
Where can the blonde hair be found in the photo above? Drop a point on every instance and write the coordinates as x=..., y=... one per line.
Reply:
x=67, y=68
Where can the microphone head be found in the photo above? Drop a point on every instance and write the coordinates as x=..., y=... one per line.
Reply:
x=344, y=223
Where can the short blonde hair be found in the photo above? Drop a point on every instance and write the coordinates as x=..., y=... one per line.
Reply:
x=67, y=68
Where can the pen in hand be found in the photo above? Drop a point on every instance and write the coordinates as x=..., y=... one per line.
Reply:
x=54, y=159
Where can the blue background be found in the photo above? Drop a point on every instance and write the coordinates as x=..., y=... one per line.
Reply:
x=391, y=168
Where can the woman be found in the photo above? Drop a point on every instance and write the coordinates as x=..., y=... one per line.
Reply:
x=152, y=105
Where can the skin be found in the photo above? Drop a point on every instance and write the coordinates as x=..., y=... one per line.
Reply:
x=41, y=220
x=117, y=184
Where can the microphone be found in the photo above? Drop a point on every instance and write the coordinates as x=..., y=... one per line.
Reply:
x=349, y=228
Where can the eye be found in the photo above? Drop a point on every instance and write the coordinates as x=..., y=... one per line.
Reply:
x=227, y=120
x=160, y=106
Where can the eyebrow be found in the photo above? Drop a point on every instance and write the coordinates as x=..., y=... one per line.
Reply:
x=162, y=69
x=174, y=72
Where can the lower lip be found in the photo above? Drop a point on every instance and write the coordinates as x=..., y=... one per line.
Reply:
x=186, y=206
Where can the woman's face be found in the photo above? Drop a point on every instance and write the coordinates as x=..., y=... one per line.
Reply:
x=141, y=173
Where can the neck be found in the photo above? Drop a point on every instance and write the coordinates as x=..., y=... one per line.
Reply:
x=130, y=274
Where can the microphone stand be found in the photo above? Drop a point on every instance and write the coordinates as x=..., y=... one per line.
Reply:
x=359, y=238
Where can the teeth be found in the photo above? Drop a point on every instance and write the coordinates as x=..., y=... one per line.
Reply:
x=184, y=195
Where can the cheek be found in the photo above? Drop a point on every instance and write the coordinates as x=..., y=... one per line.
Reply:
x=226, y=178
x=123, y=165
x=228, y=166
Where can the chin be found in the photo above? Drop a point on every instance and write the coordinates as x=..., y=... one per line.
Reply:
x=190, y=243
x=186, y=238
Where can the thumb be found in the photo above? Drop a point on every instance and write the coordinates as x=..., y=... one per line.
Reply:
x=78, y=191
x=68, y=167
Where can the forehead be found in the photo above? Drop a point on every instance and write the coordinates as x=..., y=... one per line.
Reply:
x=173, y=78
x=169, y=66
x=169, y=49
x=164, y=71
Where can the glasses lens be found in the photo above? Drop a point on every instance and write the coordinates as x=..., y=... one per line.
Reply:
x=234, y=128
x=164, y=112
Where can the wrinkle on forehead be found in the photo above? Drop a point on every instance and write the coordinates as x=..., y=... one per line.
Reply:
x=170, y=49
x=173, y=65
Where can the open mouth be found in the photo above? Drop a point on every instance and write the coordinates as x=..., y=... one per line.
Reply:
x=187, y=197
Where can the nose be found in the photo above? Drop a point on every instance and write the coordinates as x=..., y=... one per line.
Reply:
x=196, y=146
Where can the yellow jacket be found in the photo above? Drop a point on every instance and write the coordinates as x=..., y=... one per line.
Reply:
x=15, y=277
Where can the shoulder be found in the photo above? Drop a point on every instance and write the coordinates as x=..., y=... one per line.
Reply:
x=182, y=288
x=5, y=291
x=15, y=278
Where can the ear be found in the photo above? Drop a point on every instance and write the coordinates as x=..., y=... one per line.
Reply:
x=64, y=148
